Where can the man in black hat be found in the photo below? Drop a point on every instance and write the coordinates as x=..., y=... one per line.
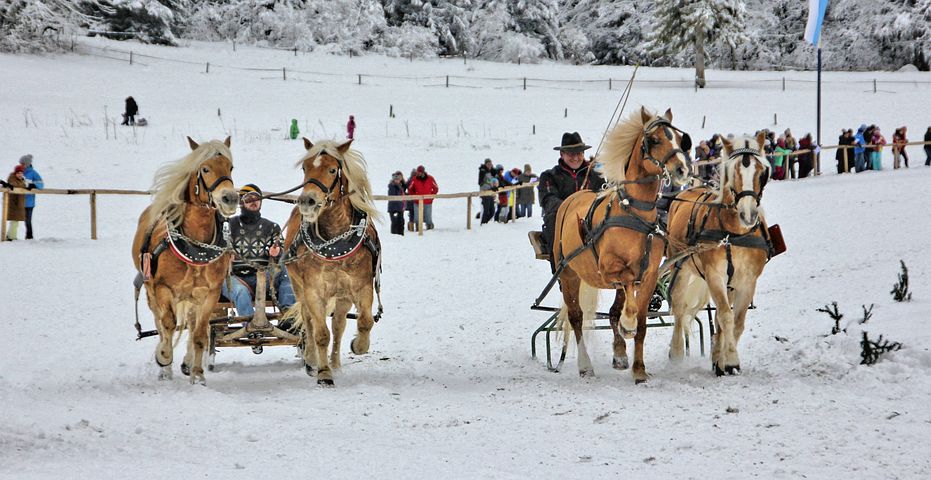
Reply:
x=256, y=241
x=570, y=175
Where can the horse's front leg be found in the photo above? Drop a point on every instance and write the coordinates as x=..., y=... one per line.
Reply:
x=361, y=342
x=723, y=353
x=743, y=297
x=571, y=286
x=338, y=325
x=641, y=302
x=160, y=303
x=686, y=297
x=314, y=317
x=620, y=361
x=200, y=336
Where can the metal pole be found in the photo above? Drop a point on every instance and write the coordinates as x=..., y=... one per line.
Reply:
x=818, y=139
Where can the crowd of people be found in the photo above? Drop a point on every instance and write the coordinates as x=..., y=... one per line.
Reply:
x=418, y=183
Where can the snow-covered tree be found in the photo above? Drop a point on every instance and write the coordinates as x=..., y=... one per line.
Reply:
x=30, y=25
x=696, y=24
x=615, y=30
x=538, y=19
x=152, y=21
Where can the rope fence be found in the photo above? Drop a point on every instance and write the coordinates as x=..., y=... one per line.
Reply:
x=92, y=193
x=462, y=81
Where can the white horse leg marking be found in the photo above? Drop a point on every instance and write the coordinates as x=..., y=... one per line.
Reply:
x=585, y=362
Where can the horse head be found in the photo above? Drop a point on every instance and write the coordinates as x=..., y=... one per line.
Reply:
x=665, y=147
x=324, y=177
x=745, y=174
x=213, y=185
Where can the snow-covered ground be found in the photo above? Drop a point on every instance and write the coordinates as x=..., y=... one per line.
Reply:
x=450, y=388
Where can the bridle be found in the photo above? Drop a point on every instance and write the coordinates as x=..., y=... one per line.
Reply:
x=745, y=155
x=668, y=128
x=327, y=191
x=210, y=188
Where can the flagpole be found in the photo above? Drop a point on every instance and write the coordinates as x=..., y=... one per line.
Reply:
x=818, y=139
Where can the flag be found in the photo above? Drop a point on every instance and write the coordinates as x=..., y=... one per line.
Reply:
x=816, y=9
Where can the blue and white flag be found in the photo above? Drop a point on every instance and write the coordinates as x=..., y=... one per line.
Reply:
x=816, y=9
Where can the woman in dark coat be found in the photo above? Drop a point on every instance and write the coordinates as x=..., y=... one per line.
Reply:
x=806, y=161
x=396, y=207
x=846, y=138
x=129, y=115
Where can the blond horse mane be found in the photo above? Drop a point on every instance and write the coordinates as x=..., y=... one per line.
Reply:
x=171, y=181
x=354, y=167
x=618, y=147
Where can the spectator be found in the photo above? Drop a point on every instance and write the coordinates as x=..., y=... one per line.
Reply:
x=396, y=187
x=295, y=132
x=703, y=154
x=256, y=241
x=571, y=174
x=868, y=152
x=844, y=156
x=779, y=159
x=411, y=204
x=33, y=180
x=488, y=201
x=129, y=114
x=525, y=196
x=503, y=213
x=715, y=146
x=351, y=127
x=899, y=140
x=878, y=140
x=928, y=147
x=16, y=203
x=511, y=177
x=484, y=170
x=806, y=161
x=859, y=149
x=424, y=184
x=791, y=145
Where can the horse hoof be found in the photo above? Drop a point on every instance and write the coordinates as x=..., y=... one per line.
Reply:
x=164, y=373
x=732, y=369
x=210, y=368
x=324, y=382
x=309, y=370
x=717, y=371
x=586, y=373
x=620, y=363
x=356, y=351
x=186, y=370
x=638, y=381
x=628, y=334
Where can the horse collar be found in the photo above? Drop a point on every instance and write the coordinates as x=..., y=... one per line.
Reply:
x=192, y=252
x=337, y=248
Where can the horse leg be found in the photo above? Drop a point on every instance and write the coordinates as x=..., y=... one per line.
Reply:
x=640, y=300
x=724, y=336
x=160, y=304
x=620, y=361
x=315, y=321
x=571, y=285
x=743, y=296
x=199, y=337
x=630, y=312
x=688, y=296
x=365, y=322
x=339, y=325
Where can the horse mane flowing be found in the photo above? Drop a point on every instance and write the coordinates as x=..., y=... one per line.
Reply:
x=619, y=144
x=354, y=167
x=171, y=181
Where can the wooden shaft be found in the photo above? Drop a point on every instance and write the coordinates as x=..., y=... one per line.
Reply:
x=93, y=201
x=469, y=212
x=846, y=165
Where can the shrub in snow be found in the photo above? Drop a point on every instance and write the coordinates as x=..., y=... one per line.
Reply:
x=513, y=46
x=900, y=291
x=407, y=40
x=834, y=314
x=150, y=20
x=576, y=46
x=31, y=26
x=872, y=350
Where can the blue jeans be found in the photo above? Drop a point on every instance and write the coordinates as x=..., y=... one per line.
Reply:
x=859, y=161
x=244, y=286
x=524, y=210
x=876, y=158
x=427, y=215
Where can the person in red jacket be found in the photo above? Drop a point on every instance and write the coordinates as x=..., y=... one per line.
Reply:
x=424, y=184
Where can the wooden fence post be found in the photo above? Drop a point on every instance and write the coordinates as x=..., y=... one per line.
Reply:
x=874, y=82
x=846, y=165
x=360, y=79
x=447, y=81
x=284, y=74
x=6, y=206
x=609, y=84
x=93, y=200
x=525, y=83
x=783, y=84
x=131, y=62
x=208, y=68
x=420, y=216
x=469, y=212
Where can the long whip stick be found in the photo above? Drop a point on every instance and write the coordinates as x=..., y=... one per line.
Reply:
x=615, y=117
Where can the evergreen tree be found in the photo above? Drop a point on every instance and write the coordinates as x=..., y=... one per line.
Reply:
x=30, y=26
x=696, y=24
x=538, y=19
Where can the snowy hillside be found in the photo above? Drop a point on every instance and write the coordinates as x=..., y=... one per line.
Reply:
x=449, y=388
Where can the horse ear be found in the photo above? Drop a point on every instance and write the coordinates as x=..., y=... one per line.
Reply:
x=761, y=139
x=342, y=149
x=645, y=115
x=192, y=143
x=668, y=114
x=308, y=144
x=728, y=146
x=227, y=141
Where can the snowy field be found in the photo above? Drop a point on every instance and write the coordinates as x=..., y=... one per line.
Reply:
x=449, y=388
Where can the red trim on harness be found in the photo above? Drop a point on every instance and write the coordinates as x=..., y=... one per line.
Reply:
x=171, y=246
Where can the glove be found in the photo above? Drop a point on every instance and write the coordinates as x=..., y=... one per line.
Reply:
x=5, y=185
x=31, y=186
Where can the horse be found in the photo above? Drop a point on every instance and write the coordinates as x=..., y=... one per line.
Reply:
x=613, y=234
x=192, y=198
x=719, y=244
x=333, y=253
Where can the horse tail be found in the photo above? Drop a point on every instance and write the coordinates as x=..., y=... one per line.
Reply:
x=294, y=317
x=588, y=302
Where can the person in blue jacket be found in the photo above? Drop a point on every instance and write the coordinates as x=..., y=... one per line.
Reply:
x=859, y=151
x=33, y=181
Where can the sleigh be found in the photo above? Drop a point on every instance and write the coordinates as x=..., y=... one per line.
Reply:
x=657, y=316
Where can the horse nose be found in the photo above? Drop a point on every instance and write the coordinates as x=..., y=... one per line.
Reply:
x=230, y=198
x=683, y=172
x=306, y=201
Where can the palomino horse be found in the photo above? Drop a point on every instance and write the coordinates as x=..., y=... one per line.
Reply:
x=721, y=244
x=333, y=254
x=613, y=237
x=186, y=217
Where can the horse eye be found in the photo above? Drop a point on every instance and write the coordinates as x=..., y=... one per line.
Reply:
x=332, y=171
x=652, y=141
x=205, y=170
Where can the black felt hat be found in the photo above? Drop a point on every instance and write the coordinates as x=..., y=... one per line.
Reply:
x=572, y=142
